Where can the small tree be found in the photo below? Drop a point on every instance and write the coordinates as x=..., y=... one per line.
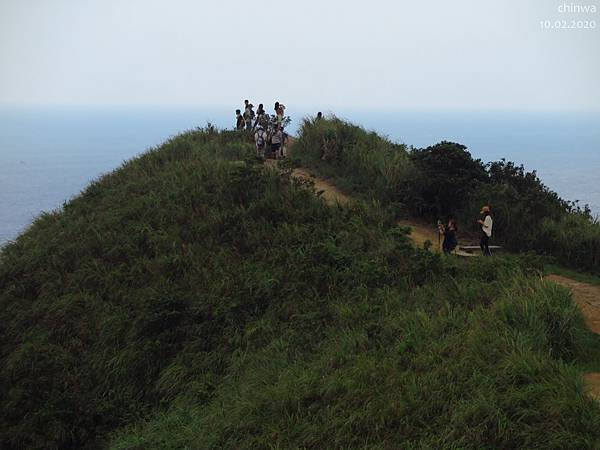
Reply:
x=449, y=177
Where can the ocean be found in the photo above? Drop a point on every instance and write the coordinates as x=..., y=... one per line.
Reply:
x=47, y=156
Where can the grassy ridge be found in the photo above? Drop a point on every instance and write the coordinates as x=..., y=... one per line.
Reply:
x=444, y=180
x=195, y=299
x=394, y=373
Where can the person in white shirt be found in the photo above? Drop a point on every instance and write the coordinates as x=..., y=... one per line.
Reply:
x=276, y=142
x=486, y=230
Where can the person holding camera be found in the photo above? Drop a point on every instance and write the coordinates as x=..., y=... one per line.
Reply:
x=486, y=230
x=449, y=233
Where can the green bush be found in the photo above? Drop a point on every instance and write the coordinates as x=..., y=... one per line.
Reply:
x=574, y=240
x=449, y=177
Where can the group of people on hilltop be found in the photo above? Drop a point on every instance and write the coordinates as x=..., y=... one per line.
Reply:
x=449, y=231
x=269, y=134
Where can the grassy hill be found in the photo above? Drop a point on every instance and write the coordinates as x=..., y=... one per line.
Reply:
x=444, y=180
x=194, y=298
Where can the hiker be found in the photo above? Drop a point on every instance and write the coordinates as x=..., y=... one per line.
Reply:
x=276, y=142
x=261, y=117
x=284, y=141
x=449, y=233
x=260, y=138
x=486, y=230
x=239, y=125
x=319, y=115
x=279, y=112
x=249, y=115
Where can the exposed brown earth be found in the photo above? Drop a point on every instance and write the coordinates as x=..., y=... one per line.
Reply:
x=587, y=296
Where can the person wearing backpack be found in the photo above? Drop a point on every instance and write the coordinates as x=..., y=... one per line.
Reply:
x=276, y=141
x=486, y=230
x=260, y=117
x=260, y=138
x=284, y=141
x=249, y=116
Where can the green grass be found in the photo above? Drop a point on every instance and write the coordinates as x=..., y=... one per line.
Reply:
x=196, y=299
x=575, y=275
x=389, y=376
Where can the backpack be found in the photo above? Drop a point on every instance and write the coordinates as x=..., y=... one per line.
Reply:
x=260, y=142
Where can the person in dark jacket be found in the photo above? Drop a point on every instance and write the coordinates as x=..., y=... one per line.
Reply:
x=449, y=233
x=240, y=122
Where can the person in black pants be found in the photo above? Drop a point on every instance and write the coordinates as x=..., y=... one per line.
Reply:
x=486, y=230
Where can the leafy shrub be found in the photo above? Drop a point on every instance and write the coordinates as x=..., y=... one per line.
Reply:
x=449, y=176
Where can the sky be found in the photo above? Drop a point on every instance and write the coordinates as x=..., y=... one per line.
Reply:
x=376, y=54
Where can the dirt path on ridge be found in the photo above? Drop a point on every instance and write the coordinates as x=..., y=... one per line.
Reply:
x=587, y=297
x=420, y=233
x=330, y=193
x=333, y=195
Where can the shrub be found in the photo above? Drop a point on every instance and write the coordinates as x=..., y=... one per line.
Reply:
x=449, y=176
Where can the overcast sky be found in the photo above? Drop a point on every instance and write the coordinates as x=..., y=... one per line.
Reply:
x=386, y=54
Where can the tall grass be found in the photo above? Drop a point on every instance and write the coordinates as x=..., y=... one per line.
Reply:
x=469, y=372
x=196, y=299
x=361, y=161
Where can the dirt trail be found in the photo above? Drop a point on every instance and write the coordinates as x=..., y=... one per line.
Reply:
x=592, y=384
x=329, y=192
x=587, y=296
x=333, y=195
x=420, y=233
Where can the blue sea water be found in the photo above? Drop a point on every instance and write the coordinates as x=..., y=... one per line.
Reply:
x=47, y=156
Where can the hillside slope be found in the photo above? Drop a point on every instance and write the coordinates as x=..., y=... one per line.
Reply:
x=196, y=299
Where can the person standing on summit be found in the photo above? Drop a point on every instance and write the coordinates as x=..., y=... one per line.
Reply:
x=261, y=117
x=239, y=120
x=486, y=230
x=249, y=115
x=279, y=112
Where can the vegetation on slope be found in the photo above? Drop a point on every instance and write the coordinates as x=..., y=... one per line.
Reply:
x=195, y=299
x=444, y=180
